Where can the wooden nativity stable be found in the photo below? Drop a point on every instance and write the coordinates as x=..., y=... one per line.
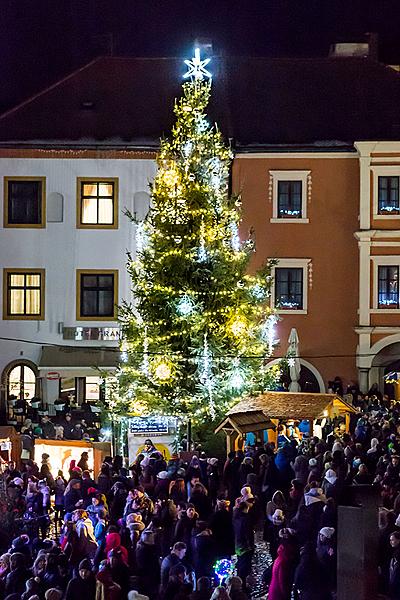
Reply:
x=267, y=411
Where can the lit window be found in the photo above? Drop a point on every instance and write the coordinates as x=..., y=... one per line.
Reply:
x=97, y=295
x=388, y=286
x=98, y=203
x=21, y=382
x=24, y=201
x=93, y=388
x=289, y=288
x=388, y=196
x=23, y=294
x=289, y=200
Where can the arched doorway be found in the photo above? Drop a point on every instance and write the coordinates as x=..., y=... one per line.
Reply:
x=19, y=379
x=384, y=362
x=310, y=378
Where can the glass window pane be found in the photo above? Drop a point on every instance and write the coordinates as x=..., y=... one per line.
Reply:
x=14, y=382
x=17, y=280
x=89, y=303
x=106, y=214
x=90, y=189
x=89, y=281
x=32, y=302
x=33, y=280
x=92, y=388
x=106, y=189
x=24, y=202
x=29, y=375
x=106, y=303
x=89, y=210
x=106, y=281
x=16, y=302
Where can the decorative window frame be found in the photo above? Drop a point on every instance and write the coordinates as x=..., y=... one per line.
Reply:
x=79, y=273
x=306, y=185
x=306, y=265
x=382, y=171
x=41, y=315
x=6, y=180
x=378, y=261
x=79, y=224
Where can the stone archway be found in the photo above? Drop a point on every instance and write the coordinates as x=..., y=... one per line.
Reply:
x=310, y=378
x=4, y=389
x=386, y=360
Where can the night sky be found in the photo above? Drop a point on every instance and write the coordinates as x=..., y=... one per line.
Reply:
x=42, y=40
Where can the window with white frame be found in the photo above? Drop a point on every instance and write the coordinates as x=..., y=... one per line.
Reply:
x=386, y=191
x=290, y=285
x=289, y=191
x=386, y=274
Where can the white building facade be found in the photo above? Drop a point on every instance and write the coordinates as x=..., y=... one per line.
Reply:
x=63, y=255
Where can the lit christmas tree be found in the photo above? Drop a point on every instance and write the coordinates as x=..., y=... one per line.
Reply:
x=200, y=329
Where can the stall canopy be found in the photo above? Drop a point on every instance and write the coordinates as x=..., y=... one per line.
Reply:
x=77, y=361
x=258, y=413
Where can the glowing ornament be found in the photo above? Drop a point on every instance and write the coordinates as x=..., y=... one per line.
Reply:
x=202, y=255
x=197, y=67
x=291, y=362
x=202, y=125
x=171, y=177
x=238, y=327
x=185, y=306
x=223, y=568
x=236, y=381
x=163, y=372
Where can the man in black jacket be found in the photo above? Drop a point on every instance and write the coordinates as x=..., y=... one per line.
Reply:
x=244, y=539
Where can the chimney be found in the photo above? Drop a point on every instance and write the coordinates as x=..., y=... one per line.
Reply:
x=373, y=45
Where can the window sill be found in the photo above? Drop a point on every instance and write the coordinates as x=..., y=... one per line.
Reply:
x=291, y=312
x=385, y=311
x=386, y=217
x=276, y=220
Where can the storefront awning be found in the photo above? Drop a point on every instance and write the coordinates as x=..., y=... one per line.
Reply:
x=77, y=361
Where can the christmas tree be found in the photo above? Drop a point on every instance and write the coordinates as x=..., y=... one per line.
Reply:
x=200, y=329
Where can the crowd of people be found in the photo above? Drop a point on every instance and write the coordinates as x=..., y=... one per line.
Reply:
x=156, y=530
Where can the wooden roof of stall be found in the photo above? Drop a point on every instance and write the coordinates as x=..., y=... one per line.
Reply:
x=256, y=413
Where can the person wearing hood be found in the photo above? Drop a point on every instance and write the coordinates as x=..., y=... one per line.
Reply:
x=113, y=542
x=300, y=467
x=83, y=586
x=331, y=485
x=307, y=520
x=362, y=477
x=162, y=485
x=185, y=525
x=245, y=469
x=84, y=529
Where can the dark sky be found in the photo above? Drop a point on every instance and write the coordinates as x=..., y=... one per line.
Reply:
x=42, y=40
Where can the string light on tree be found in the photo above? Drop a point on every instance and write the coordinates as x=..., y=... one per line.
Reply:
x=235, y=239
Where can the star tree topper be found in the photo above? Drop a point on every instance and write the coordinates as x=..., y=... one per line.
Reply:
x=197, y=66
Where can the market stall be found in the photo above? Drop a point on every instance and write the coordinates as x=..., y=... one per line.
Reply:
x=61, y=452
x=10, y=444
x=267, y=411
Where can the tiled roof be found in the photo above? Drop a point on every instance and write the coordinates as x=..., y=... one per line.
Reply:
x=286, y=405
x=259, y=102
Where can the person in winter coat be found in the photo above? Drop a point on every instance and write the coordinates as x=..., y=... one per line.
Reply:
x=113, y=542
x=300, y=467
x=185, y=526
x=245, y=469
x=234, y=587
x=283, y=570
x=147, y=564
x=326, y=556
x=244, y=539
x=222, y=528
x=394, y=567
x=308, y=518
x=72, y=496
x=83, y=586
x=85, y=532
x=201, y=501
x=309, y=580
x=203, y=552
x=106, y=588
x=18, y=575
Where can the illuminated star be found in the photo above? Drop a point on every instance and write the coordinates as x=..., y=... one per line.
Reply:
x=291, y=362
x=197, y=66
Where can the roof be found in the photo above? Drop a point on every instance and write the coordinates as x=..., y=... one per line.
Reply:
x=259, y=102
x=255, y=414
x=288, y=405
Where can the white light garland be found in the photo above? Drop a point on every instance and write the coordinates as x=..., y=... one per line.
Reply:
x=235, y=239
x=268, y=332
x=145, y=361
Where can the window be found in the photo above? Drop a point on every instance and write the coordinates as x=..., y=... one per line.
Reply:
x=289, y=192
x=97, y=295
x=93, y=388
x=23, y=294
x=289, y=288
x=97, y=203
x=289, y=200
x=21, y=382
x=388, y=195
x=388, y=286
x=24, y=201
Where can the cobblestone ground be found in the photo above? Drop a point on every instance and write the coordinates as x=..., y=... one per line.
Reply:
x=262, y=559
